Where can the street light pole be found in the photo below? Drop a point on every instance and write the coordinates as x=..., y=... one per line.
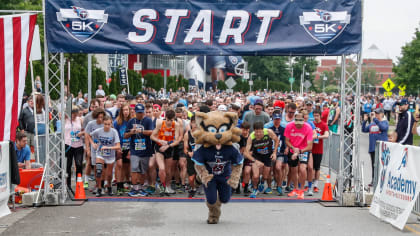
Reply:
x=302, y=78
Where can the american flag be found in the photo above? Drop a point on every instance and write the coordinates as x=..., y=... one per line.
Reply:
x=16, y=33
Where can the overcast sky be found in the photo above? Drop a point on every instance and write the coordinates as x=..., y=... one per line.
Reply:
x=390, y=24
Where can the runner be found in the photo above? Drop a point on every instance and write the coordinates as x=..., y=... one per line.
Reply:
x=281, y=161
x=260, y=144
x=108, y=142
x=246, y=173
x=139, y=130
x=152, y=162
x=123, y=162
x=189, y=147
x=299, y=139
x=322, y=133
x=166, y=136
x=98, y=116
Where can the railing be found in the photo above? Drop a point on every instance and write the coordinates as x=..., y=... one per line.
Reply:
x=331, y=157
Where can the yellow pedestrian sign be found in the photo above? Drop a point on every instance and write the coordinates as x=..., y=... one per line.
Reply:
x=388, y=85
x=402, y=87
x=402, y=93
x=389, y=94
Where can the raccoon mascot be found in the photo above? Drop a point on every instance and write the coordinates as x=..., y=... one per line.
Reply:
x=217, y=162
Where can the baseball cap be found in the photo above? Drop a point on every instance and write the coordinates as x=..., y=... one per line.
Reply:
x=335, y=100
x=300, y=98
x=379, y=110
x=276, y=116
x=259, y=102
x=403, y=102
x=222, y=108
x=139, y=108
x=113, y=97
x=309, y=102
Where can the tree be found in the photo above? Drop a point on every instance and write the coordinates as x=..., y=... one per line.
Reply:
x=407, y=69
x=272, y=67
x=310, y=67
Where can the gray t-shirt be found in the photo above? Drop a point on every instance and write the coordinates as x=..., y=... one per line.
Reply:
x=90, y=127
x=107, y=139
x=88, y=118
x=252, y=118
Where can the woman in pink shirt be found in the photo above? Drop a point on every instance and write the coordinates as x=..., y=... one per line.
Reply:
x=299, y=141
x=74, y=144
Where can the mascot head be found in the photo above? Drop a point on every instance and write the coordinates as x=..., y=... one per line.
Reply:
x=216, y=128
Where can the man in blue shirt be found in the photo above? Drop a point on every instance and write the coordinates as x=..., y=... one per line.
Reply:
x=23, y=151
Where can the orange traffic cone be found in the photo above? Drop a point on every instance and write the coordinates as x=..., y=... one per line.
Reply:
x=80, y=191
x=327, y=194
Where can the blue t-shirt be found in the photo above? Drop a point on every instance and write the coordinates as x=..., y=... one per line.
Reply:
x=368, y=107
x=125, y=143
x=218, y=162
x=311, y=116
x=282, y=139
x=24, y=154
x=140, y=145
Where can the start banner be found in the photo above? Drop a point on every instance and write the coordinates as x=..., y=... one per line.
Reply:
x=396, y=191
x=223, y=27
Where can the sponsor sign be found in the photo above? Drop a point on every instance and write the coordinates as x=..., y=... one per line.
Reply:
x=398, y=183
x=182, y=27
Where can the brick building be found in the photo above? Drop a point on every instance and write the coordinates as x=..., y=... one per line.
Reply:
x=373, y=58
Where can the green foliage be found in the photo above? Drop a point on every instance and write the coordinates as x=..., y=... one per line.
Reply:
x=156, y=81
x=272, y=67
x=331, y=89
x=408, y=67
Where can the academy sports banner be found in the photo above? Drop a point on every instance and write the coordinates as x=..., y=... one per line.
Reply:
x=398, y=183
x=223, y=27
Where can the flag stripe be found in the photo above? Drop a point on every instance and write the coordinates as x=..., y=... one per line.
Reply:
x=2, y=78
x=9, y=78
x=12, y=91
x=16, y=32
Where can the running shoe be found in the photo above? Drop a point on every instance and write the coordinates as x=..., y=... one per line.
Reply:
x=261, y=188
x=310, y=192
x=191, y=193
x=178, y=187
x=300, y=195
x=293, y=193
x=99, y=193
x=284, y=184
x=288, y=189
x=91, y=178
x=316, y=189
x=181, y=189
x=238, y=191
x=110, y=193
x=143, y=193
x=306, y=189
x=280, y=191
x=94, y=190
x=169, y=190
x=166, y=192
x=151, y=190
x=86, y=185
x=120, y=192
x=246, y=191
x=133, y=193
x=268, y=191
x=254, y=193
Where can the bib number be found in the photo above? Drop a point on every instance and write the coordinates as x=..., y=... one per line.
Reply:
x=74, y=138
x=104, y=153
x=139, y=145
x=304, y=157
x=126, y=144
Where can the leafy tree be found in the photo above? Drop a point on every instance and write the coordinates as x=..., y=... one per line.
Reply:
x=272, y=67
x=407, y=69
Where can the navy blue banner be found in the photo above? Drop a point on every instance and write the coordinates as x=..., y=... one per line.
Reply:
x=123, y=76
x=224, y=27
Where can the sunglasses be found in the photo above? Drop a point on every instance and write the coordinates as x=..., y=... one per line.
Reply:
x=299, y=120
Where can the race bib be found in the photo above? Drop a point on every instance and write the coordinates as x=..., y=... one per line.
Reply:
x=262, y=150
x=139, y=144
x=73, y=137
x=304, y=156
x=104, y=153
x=316, y=140
x=126, y=144
x=167, y=133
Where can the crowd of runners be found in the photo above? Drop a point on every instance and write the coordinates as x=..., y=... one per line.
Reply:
x=143, y=145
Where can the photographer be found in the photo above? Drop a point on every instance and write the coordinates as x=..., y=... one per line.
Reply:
x=378, y=131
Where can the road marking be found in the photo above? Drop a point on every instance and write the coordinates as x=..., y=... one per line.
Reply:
x=415, y=225
x=412, y=230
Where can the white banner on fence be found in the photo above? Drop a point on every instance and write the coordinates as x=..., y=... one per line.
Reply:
x=397, y=188
x=4, y=178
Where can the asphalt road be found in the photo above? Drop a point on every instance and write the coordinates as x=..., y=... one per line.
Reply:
x=145, y=218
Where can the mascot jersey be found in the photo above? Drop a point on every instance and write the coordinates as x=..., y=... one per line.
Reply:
x=218, y=162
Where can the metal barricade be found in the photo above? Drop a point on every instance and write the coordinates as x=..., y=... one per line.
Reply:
x=331, y=157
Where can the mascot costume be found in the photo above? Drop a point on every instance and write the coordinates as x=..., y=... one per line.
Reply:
x=217, y=162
